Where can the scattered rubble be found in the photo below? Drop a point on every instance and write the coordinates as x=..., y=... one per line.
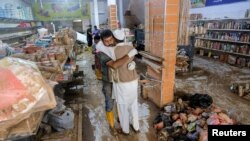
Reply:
x=186, y=119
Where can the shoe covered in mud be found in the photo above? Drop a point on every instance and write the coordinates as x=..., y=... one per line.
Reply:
x=113, y=131
x=136, y=131
x=119, y=130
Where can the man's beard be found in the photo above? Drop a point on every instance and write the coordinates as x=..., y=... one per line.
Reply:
x=112, y=45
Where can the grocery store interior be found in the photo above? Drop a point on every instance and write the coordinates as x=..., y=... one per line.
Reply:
x=123, y=70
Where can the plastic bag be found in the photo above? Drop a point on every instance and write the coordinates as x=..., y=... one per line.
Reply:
x=200, y=100
x=31, y=78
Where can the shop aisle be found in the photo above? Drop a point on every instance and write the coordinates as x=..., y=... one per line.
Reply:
x=95, y=126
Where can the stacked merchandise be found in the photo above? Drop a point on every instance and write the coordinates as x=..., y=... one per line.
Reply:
x=49, y=60
x=65, y=37
x=242, y=89
x=226, y=37
x=229, y=36
x=29, y=96
x=229, y=25
x=195, y=16
x=196, y=28
x=188, y=118
x=24, y=94
x=182, y=61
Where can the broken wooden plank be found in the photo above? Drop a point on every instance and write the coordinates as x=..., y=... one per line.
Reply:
x=80, y=123
x=150, y=56
x=156, y=67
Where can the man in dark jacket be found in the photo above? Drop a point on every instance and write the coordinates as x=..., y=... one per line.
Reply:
x=89, y=36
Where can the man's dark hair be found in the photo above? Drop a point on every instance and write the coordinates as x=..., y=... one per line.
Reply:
x=97, y=37
x=106, y=33
x=95, y=27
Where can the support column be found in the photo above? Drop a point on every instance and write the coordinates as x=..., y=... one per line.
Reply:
x=121, y=14
x=161, y=25
x=112, y=14
x=96, y=13
x=171, y=22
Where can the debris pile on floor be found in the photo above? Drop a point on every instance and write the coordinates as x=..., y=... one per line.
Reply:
x=182, y=61
x=241, y=89
x=187, y=118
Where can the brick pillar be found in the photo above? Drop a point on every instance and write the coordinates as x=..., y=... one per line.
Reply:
x=161, y=25
x=169, y=50
x=112, y=16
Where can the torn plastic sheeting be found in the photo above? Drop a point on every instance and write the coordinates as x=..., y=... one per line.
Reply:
x=29, y=75
x=81, y=37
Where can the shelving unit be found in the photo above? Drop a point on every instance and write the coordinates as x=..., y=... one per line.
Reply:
x=12, y=20
x=10, y=29
x=207, y=20
x=13, y=31
x=216, y=31
x=229, y=41
x=13, y=37
x=245, y=55
x=235, y=30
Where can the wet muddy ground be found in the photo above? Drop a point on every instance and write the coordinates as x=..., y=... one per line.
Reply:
x=213, y=78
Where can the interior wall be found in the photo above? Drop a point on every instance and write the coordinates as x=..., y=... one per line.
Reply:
x=102, y=10
x=138, y=9
x=233, y=10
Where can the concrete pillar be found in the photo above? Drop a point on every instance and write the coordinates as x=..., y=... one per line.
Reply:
x=96, y=13
x=121, y=13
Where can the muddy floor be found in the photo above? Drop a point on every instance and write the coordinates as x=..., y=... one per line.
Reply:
x=215, y=78
x=209, y=76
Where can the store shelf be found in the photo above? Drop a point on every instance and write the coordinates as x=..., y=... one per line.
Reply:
x=205, y=20
x=223, y=40
x=15, y=20
x=197, y=34
x=235, y=30
x=17, y=45
x=11, y=29
x=246, y=55
x=12, y=37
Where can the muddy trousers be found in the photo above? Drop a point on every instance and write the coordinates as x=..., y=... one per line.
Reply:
x=107, y=91
x=109, y=102
x=128, y=114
